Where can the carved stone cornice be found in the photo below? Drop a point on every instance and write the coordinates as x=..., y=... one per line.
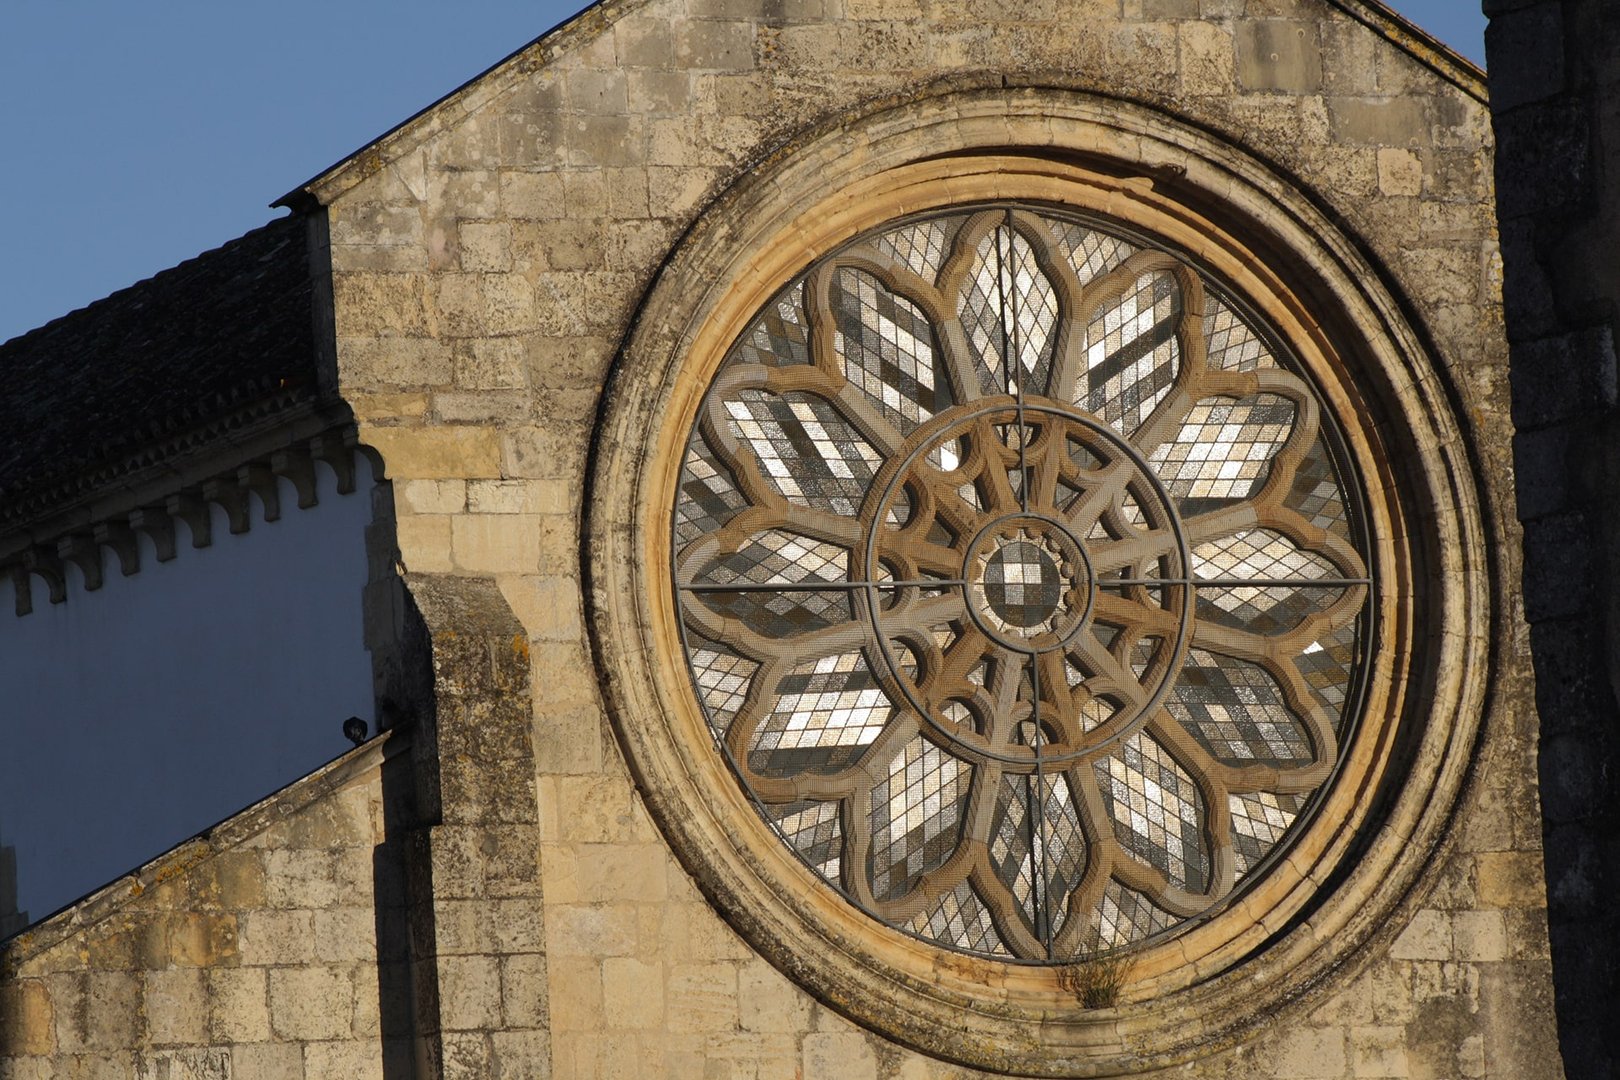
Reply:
x=150, y=492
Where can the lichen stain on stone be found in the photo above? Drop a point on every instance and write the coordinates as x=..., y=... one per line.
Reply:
x=520, y=646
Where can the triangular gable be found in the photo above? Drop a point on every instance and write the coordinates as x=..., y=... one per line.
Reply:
x=583, y=29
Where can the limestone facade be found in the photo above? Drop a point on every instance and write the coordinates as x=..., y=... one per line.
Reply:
x=492, y=263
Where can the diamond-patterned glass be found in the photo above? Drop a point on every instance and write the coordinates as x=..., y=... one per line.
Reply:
x=780, y=335
x=1316, y=493
x=1090, y=252
x=826, y=713
x=1236, y=710
x=1327, y=664
x=1263, y=610
x=1132, y=354
x=813, y=831
x=1157, y=810
x=1124, y=918
x=813, y=456
x=782, y=614
x=917, y=810
x=723, y=679
x=1258, y=822
x=1225, y=447
x=1007, y=302
x=1063, y=854
x=960, y=919
x=779, y=557
x=709, y=497
x=1231, y=343
x=888, y=350
x=1258, y=553
x=920, y=247
x=1011, y=849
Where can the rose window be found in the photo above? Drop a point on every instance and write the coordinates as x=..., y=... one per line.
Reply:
x=1021, y=582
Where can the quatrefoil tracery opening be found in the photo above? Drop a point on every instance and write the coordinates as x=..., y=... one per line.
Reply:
x=1019, y=583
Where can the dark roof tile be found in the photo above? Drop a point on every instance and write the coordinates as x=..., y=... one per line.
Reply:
x=215, y=334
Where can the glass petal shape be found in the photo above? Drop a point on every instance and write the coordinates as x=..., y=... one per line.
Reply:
x=1225, y=447
x=1132, y=354
x=826, y=713
x=782, y=614
x=1236, y=710
x=1009, y=307
x=1258, y=553
x=888, y=350
x=778, y=557
x=810, y=453
x=917, y=809
x=1157, y=810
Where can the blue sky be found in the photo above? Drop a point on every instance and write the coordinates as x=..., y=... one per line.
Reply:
x=139, y=135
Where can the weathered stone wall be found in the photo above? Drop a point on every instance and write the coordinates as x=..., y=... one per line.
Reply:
x=1556, y=85
x=488, y=262
x=249, y=952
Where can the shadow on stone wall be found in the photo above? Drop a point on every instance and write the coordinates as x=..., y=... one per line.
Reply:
x=1555, y=98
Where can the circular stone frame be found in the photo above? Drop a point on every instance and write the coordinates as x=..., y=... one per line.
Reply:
x=1312, y=915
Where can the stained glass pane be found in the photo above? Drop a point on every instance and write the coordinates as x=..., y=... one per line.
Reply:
x=826, y=713
x=1131, y=352
x=813, y=831
x=1225, y=447
x=778, y=557
x=811, y=454
x=917, y=809
x=1157, y=811
x=1236, y=710
x=888, y=350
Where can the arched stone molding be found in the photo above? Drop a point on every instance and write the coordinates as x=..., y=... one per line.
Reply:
x=1322, y=914
x=117, y=529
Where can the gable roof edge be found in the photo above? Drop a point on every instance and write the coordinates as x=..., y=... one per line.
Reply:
x=92, y=909
x=325, y=187
x=1419, y=44
x=583, y=28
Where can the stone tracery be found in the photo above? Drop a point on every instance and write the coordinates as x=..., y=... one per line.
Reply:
x=1019, y=583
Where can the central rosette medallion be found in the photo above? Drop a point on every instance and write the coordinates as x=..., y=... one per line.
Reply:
x=1058, y=543
x=1022, y=581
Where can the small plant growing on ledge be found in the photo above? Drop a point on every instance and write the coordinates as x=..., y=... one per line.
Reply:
x=1096, y=983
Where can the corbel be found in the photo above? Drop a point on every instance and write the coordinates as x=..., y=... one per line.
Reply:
x=232, y=498
x=295, y=464
x=82, y=551
x=156, y=523
x=197, y=516
x=118, y=536
x=48, y=565
x=257, y=478
x=22, y=588
x=332, y=449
